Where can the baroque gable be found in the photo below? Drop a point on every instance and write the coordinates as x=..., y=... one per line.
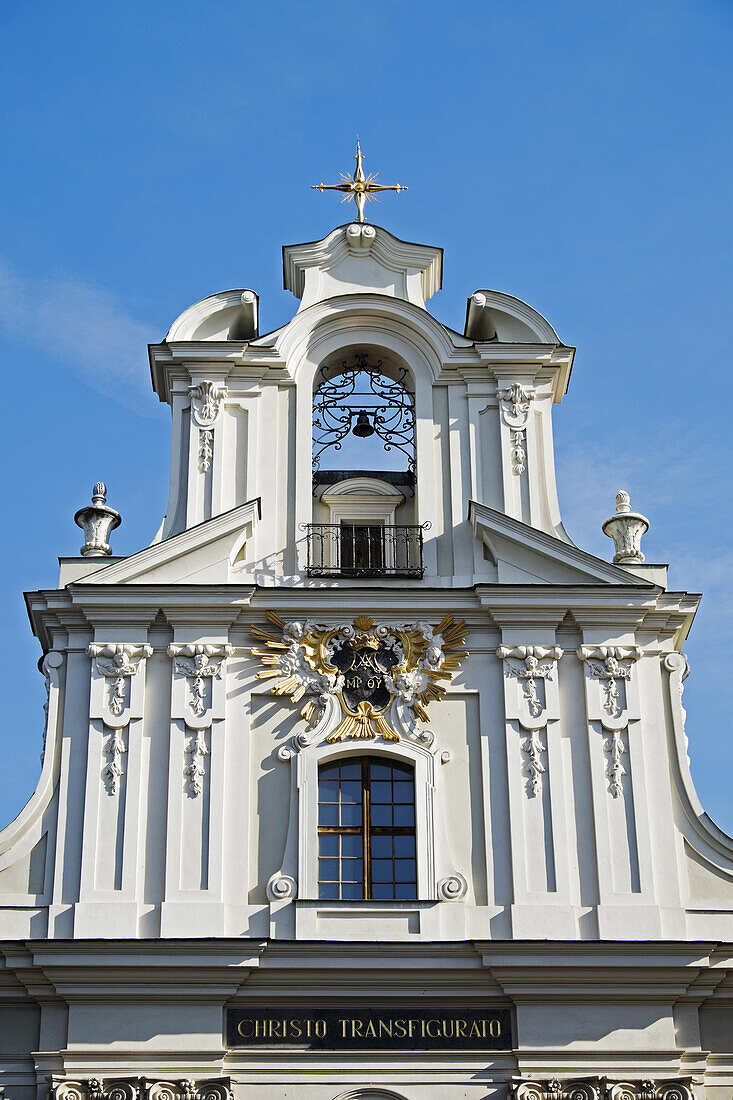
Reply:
x=363, y=722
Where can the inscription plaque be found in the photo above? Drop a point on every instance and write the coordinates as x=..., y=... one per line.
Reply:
x=371, y=1028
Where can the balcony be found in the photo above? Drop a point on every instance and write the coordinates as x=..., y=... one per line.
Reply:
x=364, y=550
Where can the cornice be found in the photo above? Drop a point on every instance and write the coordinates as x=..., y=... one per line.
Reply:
x=80, y=605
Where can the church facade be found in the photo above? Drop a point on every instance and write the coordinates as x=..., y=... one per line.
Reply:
x=362, y=779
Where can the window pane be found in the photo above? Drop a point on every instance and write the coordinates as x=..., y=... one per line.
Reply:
x=382, y=847
x=352, y=891
x=382, y=815
x=350, y=791
x=328, y=792
x=382, y=870
x=351, y=870
x=328, y=815
x=405, y=891
x=383, y=891
x=381, y=771
x=350, y=815
x=403, y=792
x=351, y=771
x=404, y=815
x=328, y=844
x=404, y=846
x=381, y=792
x=329, y=771
x=351, y=846
x=402, y=771
x=328, y=870
x=404, y=870
x=328, y=890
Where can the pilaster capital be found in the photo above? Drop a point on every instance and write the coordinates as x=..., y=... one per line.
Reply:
x=206, y=399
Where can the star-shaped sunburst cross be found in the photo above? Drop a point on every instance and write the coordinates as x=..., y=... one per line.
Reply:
x=359, y=187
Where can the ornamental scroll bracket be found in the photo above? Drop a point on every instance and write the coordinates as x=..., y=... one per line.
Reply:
x=515, y=402
x=95, y=1088
x=217, y=1088
x=527, y=1088
x=206, y=399
x=609, y=667
x=531, y=701
x=139, y=1088
x=116, y=699
x=612, y=703
x=50, y=666
x=196, y=669
x=599, y=1088
x=115, y=667
x=533, y=667
x=198, y=697
x=361, y=680
x=678, y=668
x=206, y=449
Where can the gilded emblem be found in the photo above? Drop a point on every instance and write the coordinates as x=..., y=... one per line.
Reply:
x=383, y=677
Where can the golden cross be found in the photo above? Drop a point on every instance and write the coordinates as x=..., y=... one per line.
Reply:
x=358, y=187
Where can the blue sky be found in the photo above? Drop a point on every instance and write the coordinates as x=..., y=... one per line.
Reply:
x=576, y=154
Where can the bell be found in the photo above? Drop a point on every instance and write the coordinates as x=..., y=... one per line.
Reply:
x=363, y=427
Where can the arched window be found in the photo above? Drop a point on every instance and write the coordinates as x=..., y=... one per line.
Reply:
x=366, y=830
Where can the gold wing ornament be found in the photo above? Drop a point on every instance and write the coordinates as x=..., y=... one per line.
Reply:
x=382, y=676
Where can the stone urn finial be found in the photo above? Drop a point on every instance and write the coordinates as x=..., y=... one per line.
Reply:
x=626, y=529
x=97, y=521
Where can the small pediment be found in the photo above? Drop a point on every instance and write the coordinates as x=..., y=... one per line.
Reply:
x=359, y=257
x=213, y=552
x=526, y=555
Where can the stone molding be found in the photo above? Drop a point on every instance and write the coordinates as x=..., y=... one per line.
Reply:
x=206, y=449
x=612, y=698
x=117, y=664
x=198, y=698
x=514, y=404
x=206, y=398
x=199, y=665
x=515, y=401
x=138, y=1088
x=534, y=663
x=599, y=1088
x=534, y=703
x=116, y=699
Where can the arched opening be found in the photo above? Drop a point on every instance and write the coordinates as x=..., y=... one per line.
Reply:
x=364, y=417
x=366, y=830
x=364, y=468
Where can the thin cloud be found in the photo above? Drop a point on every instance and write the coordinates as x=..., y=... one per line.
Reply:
x=85, y=327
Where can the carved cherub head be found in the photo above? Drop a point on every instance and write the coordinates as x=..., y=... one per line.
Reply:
x=612, y=665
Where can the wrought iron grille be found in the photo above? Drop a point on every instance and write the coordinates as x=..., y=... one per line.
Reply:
x=360, y=396
x=364, y=550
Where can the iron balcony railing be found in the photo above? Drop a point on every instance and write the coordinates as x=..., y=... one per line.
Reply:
x=364, y=550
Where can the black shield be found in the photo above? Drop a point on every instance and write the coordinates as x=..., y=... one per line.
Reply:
x=364, y=668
